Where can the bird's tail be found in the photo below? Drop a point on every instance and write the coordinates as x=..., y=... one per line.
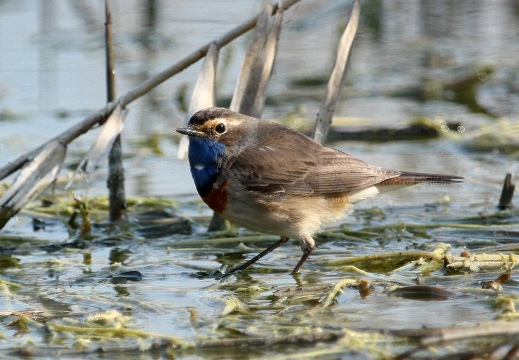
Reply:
x=410, y=178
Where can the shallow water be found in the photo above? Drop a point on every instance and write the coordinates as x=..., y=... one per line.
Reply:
x=52, y=76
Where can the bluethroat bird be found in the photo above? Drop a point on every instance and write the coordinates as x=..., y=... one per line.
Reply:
x=269, y=178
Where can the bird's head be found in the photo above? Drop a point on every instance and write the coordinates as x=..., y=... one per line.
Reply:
x=219, y=125
x=215, y=136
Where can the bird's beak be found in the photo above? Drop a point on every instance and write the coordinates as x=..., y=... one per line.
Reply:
x=190, y=132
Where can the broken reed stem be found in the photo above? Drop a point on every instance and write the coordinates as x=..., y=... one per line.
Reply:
x=337, y=289
x=119, y=332
x=111, y=93
x=472, y=263
x=149, y=84
x=64, y=138
x=480, y=262
x=466, y=333
x=312, y=337
x=505, y=201
x=438, y=254
x=412, y=254
x=115, y=182
x=100, y=117
x=336, y=80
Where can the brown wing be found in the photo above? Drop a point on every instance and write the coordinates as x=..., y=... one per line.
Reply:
x=289, y=162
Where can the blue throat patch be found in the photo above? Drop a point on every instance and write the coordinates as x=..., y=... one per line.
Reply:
x=205, y=159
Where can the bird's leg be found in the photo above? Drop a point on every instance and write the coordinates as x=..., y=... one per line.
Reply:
x=307, y=245
x=257, y=257
x=306, y=254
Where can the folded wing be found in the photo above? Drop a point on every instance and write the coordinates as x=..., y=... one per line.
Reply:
x=300, y=166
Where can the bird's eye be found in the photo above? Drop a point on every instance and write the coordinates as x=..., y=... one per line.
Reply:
x=220, y=128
